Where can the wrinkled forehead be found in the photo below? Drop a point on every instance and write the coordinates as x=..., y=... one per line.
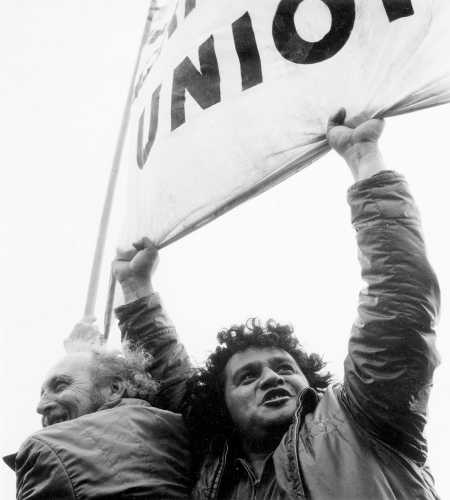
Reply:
x=75, y=366
x=258, y=356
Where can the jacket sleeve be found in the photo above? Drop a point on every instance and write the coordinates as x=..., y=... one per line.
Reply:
x=145, y=322
x=40, y=473
x=392, y=352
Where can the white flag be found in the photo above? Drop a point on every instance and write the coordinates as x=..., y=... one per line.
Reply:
x=233, y=96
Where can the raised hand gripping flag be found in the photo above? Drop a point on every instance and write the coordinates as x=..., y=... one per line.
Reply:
x=233, y=96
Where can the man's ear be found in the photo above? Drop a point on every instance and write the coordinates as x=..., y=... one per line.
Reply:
x=117, y=389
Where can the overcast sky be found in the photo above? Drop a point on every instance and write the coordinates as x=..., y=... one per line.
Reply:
x=289, y=254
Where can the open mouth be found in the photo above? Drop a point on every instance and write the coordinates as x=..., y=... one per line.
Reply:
x=53, y=419
x=276, y=397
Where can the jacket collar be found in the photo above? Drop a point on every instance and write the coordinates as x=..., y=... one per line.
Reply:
x=10, y=461
x=307, y=402
x=124, y=402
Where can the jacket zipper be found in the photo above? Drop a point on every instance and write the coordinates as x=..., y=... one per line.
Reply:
x=296, y=428
x=255, y=481
x=296, y=452
x=222, y=468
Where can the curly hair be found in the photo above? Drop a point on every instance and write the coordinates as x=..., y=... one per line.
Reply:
x=204, y=409
x=109, y=364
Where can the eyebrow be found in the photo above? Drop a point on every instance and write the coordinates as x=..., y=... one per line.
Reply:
x=55, y=379
x=252, y=366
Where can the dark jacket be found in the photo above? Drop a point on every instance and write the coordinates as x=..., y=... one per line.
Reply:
x=127, y=449
x=364, y=439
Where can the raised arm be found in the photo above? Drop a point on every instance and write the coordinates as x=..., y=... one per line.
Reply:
x=143, y=320
x=392, y=353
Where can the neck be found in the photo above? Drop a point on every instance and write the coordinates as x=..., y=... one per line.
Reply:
x=257, y=462
x=257, y=451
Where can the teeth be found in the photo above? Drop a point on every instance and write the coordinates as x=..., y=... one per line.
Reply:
x=275, y=397
x=55, y=421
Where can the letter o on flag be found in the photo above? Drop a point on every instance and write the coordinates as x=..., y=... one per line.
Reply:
x=297, y=50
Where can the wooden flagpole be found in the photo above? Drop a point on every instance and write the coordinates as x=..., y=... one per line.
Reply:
x=106, y=213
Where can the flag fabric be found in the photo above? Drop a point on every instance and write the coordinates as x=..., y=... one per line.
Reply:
x=233, y=96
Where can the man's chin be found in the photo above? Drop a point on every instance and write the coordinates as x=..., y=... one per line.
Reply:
x=279, y=415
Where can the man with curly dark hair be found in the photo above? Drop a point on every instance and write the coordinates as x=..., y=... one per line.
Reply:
x=102, y=436
x=265, y=421
x=210, y=406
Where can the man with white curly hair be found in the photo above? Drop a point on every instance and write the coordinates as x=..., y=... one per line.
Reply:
x=102, y=438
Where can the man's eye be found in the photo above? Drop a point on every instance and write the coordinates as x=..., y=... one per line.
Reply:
x=59, y=386
x=246, y=378
x=285, y=369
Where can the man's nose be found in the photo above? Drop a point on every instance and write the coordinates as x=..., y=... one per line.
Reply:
x=270, y=378
x=45, y=403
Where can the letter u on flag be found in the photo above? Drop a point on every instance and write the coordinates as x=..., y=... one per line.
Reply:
x=233, y=96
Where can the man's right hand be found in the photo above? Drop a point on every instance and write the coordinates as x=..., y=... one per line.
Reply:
x=135, y=275
x=358, y=146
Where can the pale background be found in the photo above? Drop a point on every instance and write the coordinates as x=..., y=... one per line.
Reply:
x=289, y=254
